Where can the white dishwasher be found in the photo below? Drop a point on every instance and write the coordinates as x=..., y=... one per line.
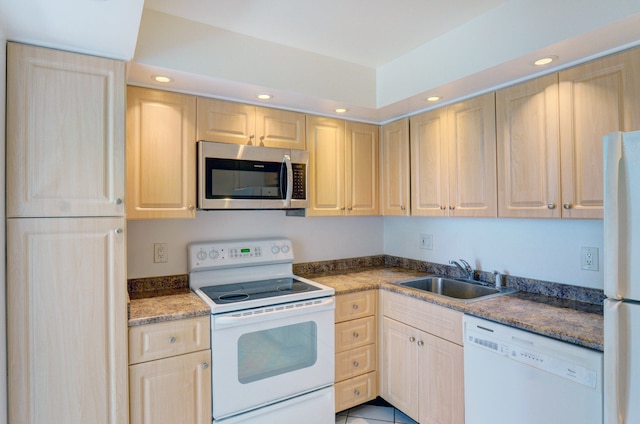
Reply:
x=512, y=376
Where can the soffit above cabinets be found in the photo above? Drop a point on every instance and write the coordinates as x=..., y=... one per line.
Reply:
x=378, y=59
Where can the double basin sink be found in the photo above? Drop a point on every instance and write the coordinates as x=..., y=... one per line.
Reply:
x=462, y=290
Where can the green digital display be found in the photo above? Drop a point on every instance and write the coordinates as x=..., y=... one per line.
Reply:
x=245, y=250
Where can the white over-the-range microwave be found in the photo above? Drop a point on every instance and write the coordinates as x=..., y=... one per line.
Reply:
x=234, y=176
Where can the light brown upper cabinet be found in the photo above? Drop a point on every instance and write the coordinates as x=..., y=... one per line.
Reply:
x=161, y=154
x=230, y=122
x=453, y=160
x=394, y=168
x=343, y=167
x=596, y=99
x=528, y=149
x=550, y=133
x=65, y=134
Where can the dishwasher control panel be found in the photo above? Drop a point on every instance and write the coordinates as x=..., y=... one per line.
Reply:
x=523, y=351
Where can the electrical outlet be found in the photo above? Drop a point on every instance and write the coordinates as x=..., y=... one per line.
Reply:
x=160, y=253
x=589, y=258
x=426, y=241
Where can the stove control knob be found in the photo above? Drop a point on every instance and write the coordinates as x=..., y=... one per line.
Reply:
x=285, y=248
x=214, y=254
x=275, y=250
x=201, y=255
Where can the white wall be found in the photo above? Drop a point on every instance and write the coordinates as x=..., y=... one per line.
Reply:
x=3, y=312
x=314, y=239
x=535, y=248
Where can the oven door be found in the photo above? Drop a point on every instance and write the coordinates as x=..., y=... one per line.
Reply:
x=265, y=355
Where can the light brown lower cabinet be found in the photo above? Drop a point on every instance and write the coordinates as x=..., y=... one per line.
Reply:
x=356, y=349
x=170, y=372
x=422, y=359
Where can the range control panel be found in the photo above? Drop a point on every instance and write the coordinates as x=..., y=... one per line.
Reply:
x=238, y=253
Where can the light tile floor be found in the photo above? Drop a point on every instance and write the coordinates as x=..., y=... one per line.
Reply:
x=372, y=414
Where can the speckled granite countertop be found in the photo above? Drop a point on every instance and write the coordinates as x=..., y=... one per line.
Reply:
x=580, y=323
x=575, y=322
x=166, y=308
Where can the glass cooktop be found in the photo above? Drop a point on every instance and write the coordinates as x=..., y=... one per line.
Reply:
x=261, y=289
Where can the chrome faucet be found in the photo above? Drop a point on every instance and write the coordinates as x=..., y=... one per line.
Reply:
x=466, y=270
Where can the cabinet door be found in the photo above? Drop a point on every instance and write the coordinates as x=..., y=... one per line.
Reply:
x=472, y=157
x=361, y=170
x=65, y=134
x=394, y=168
x=429, y=185
x=225, y=122
x=161, y=154
x=280, y=128
x=399, y=368
x=440, y=381
x=325, y=141
x=67, y=321
x=596, y=98
x=172, y=390
x=528, y=149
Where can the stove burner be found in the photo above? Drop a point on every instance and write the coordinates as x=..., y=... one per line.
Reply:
x=296, y=286
x=233, y=297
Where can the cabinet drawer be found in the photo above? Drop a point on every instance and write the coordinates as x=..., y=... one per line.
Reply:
x=434, y=319
x=356, y=333
x=356, y=391
x=164, y=339
x=355, y=305
x=355, y=362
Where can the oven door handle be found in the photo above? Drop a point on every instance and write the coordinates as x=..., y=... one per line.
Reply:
x=274, y=312
x=286, y=163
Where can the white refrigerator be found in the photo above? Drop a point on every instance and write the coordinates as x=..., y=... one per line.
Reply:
x=622, y=278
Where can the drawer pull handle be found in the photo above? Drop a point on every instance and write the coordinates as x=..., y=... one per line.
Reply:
x=355, y=306
x=356, y=392
x=172, y=340
x=420, y=343
x=412, y=339
x=355, y=335
x=356, y=364
x=205, y=365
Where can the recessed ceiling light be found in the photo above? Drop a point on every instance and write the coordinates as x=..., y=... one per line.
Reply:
x=545, y=60
x=265, y=96
x=161, y=78
x=341, y=110
x=433, y=98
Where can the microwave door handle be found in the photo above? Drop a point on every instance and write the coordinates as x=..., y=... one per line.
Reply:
x=286, y=161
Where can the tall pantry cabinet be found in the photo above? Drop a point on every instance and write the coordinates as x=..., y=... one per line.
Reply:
x=66, y=278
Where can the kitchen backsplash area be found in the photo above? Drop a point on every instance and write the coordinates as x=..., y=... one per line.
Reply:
x=543, y=250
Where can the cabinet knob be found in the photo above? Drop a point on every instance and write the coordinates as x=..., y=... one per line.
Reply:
x=342, y=208
x=118, y=231
x=355, y=335
x=402, y=208
x=251, y=137
x=551, y=206
x=451, y=207
x=350, y=208
x=412, y=339
x=205, y=365
x=356, y=392
x=567, y=205
x=262, y=140
x=420, y=343
x=355, y=306
x=356, y=364
x=118, y=201
x=443, y=207
x=172, y=340
x=192, y=208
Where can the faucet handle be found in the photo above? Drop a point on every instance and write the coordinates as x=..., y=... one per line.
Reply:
x=466, y=265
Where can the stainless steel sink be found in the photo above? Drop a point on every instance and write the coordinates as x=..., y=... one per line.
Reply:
x=466, y=291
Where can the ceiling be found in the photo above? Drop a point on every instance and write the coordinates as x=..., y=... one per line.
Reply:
x=377, y=58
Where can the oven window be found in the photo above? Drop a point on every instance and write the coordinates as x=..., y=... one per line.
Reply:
x=267, y=353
